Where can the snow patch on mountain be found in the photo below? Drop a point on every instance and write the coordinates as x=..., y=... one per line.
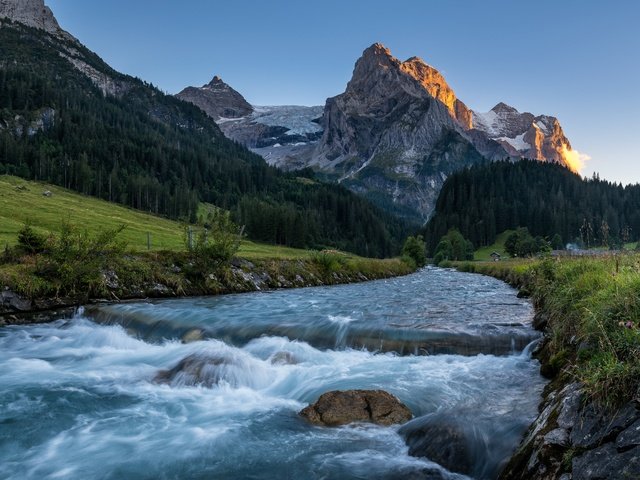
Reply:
x=299, y=120
x=487, y=122
x=518, y=143
x=540, y=124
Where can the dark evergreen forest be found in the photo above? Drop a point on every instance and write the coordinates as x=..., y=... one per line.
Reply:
x=546, y=198
x=153, y=152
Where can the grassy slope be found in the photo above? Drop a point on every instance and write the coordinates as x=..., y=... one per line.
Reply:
x=45, y=214
x=140, y=272
x=484, y=253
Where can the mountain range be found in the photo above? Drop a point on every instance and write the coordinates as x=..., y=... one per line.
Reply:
x=394, y=135
x=68, y=118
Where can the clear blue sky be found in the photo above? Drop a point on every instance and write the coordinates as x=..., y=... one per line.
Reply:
x=574, y=59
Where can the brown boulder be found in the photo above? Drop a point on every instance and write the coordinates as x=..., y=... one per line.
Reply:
x=342, y=407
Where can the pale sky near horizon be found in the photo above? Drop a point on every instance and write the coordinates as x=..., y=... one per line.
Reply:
x=573, y=59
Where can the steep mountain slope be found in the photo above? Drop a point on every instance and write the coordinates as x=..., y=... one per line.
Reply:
x=32, y=13
x=217, y=99
x=399, y=129
x=66, y=117
x=387, y=137
x=523, y=134
x=280, y=134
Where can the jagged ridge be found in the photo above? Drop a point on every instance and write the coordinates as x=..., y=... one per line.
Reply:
x=396, y=133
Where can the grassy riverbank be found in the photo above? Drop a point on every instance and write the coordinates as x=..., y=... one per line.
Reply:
x=147, y=255
x=29, y=287
x=171, y=274
x=590, y=307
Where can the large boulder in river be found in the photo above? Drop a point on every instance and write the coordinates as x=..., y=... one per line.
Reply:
x=343, y=407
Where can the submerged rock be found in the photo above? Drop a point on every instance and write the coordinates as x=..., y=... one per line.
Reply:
x=284, y=358
x=197, y=370
x=193, y=335
x=443, y=442
x=343, y=407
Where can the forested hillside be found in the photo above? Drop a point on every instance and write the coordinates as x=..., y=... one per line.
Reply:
x=139, y=147
x=546, y=198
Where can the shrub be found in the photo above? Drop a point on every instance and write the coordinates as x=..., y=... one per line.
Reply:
x=453, y=246
x=210, y=248
x=329, y=261
x=9, y=255
x=415, y=249
x=29, y=241
x=522, y=244
x=556, y=242
x=75, y=260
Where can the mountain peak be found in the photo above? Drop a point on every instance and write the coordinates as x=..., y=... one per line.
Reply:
x=374, y=56
x=504, y=108
x=217, y=99
x=377, y=49
x=434, y=83
x=415, y=59
x=33, y=13
x=377, y=65
x=216, y=81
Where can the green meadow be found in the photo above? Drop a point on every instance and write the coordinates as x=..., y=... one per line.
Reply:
x=24, y=201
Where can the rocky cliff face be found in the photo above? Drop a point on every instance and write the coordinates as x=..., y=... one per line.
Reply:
x=434, y=83
x=399, y=130
x=523, y=134
x=382, y=108
x=32, y=13
x=35, y=14
x=396, y=133
x=217, y=99
x=575, y=438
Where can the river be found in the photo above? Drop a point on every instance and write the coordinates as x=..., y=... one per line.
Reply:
x=79, y=398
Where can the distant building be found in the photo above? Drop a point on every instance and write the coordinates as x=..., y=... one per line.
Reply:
x=496, y=256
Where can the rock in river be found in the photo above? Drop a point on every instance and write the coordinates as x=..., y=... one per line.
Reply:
x=206, y=370
x=441, y=441
x=342, y=407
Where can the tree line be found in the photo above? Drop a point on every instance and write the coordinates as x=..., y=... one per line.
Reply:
x=548, y=199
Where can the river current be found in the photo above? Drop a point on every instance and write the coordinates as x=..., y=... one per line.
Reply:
x=79, y=398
